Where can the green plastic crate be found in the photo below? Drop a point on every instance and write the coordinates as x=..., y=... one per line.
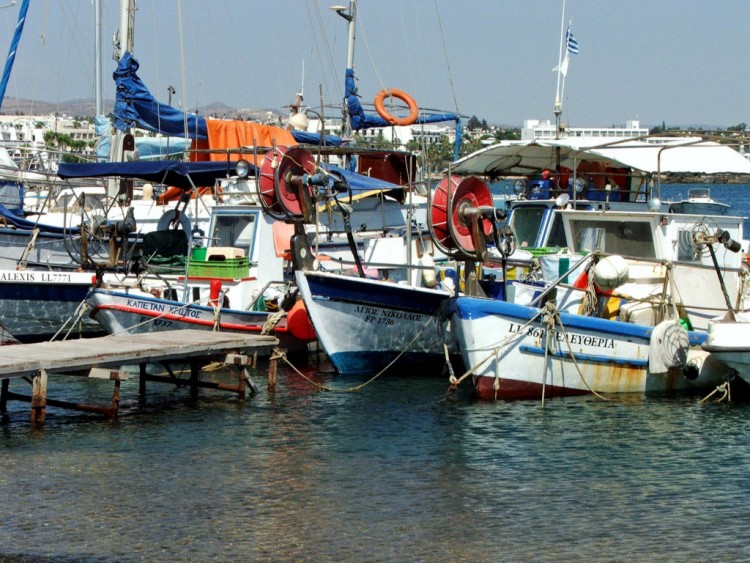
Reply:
x=231, y=268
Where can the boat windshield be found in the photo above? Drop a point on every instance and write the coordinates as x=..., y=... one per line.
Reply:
x=526, y=222
x=629, y=238
x=236, y=230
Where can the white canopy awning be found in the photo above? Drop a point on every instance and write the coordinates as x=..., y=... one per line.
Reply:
x=662, y=155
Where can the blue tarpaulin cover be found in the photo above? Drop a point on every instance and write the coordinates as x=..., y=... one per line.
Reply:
x=170, y=172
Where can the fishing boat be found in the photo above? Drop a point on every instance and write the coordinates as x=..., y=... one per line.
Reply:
x=606, y=330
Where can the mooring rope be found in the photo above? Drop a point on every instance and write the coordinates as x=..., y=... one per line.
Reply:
x=556, y=314
x=726, y=393
x=72, y=319
x=279, y=354
x=493, y=352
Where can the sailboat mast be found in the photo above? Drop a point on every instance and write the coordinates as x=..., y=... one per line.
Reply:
x=352, y=33
x=350, y=16
x=98, y=56
x=13, y=47
x=558, y=94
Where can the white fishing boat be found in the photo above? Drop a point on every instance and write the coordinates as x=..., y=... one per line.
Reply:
x=624, y=324
x=728, y=341
x=699, y=202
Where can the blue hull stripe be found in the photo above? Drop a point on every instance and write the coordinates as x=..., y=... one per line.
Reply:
x=476, y=308
x=385, y=295
x=586, y=357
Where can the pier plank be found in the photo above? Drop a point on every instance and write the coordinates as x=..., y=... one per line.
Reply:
x=20, y=360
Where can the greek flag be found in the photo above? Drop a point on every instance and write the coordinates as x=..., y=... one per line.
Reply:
x=571, y=42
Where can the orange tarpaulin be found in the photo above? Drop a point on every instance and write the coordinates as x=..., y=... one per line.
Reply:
x=236, y=134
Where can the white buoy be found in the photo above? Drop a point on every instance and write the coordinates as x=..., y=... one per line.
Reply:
x=610, y=272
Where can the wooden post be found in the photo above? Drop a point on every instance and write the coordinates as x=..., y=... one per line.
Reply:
x=39, y=397
x=142, y=381
x=116, y=399
x=4, y=396
x=195, y=374
x=272, y=372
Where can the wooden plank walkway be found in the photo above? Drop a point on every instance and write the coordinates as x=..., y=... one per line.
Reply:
x=20, y=360
x=96, y=355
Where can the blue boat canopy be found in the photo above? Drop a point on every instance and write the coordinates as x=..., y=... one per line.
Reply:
x=176, y=173
x=185, y=175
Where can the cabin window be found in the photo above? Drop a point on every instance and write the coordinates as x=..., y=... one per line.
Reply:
x=557, y=232
x=234, y=230
x=628, y=238
x=526, y=222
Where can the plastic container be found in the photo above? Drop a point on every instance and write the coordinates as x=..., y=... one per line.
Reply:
x=232, y=268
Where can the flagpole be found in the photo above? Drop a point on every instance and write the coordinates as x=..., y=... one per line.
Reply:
x=558, y=93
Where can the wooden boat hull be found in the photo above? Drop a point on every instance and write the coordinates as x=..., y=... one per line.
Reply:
x=364, y=325
x=136, y=313
x=507, y=345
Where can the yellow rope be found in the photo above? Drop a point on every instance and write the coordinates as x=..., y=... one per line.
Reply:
x=283, y=356
x=725, y=389
x=493, y=352
x=556, y=313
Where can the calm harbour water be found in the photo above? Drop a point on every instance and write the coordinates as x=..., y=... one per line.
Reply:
x=392, y=472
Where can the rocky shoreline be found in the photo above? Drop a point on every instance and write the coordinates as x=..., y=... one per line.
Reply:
x=705, y=179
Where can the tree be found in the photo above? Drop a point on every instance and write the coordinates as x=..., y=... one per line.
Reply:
x=740, y=127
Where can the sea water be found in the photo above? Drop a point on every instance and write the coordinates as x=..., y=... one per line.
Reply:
x=398, y=470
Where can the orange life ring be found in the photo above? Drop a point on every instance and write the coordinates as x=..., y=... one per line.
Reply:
x=401, y=95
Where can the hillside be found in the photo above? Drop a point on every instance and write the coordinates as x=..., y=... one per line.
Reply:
x=87, y=108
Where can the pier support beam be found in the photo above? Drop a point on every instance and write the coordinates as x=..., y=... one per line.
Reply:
x=4, y=396
x=39, y=397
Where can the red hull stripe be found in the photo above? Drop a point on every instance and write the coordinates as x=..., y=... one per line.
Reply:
x=517, y=389
x=169, y=316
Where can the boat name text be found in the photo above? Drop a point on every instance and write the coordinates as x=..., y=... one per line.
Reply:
x=179, y=310
x=39, y=277
x=585, y=340
x=385, y=316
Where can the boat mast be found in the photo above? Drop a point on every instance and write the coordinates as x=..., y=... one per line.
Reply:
x=558, y=93
x=346, y=126
x=13, y=47
x=98, y=56
x=123, y=42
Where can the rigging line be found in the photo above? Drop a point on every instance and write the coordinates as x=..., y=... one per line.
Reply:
x=369, y=53
x=64, y=69
x=154, y=35
x=38, y=72
x=329, y=53
x=228, y=77
x=197, y=88
x=447, y=62
x=182, y=69
x=406, y=43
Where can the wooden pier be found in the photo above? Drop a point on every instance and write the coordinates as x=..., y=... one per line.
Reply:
x=104, y=357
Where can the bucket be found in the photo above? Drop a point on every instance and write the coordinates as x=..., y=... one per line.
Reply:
x=199, y=254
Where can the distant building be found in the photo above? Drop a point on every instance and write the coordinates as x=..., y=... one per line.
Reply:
x=536, y=129
x=428, y=133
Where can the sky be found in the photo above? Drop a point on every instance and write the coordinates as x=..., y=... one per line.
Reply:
x=677, y=62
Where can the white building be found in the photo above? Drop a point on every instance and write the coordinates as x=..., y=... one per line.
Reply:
x=536, y=129
x=428, y=133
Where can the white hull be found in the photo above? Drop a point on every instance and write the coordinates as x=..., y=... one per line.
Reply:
x=365, y=325
x=508, y=347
